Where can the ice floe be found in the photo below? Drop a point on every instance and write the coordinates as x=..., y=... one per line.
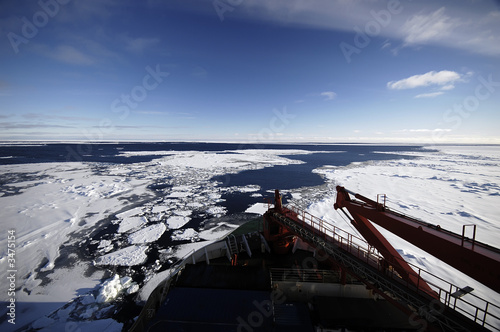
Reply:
x=179, y=194
x=113, y=287
x=129, y=213
x=91, y=311
x=259, y=208
x=104, y=244
x=129, y=256
x=176, y=222
x=131, y=223
x=185, y=234
x=147, y=234
x=217, y=211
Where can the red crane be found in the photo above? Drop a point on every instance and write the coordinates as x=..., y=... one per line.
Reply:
x=478, y=260
x=384, y=270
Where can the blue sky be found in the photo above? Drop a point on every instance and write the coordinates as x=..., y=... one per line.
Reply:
x=250, y=70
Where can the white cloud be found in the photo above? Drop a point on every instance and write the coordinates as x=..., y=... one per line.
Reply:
x=70, y=54
x=138, y=45
x=460, y=25
x=423, y=130
x=423, y=28
x=444, y=77
x=330, y=95
x=151, y=112
x=426, y=130
x=65, y=53
x=448, y=87
x=469, y=28
x=429, y=95
x=385, y=44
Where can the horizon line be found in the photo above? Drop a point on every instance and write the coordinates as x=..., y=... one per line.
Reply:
x=246, y=142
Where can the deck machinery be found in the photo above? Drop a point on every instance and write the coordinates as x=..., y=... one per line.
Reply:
x=430, y=302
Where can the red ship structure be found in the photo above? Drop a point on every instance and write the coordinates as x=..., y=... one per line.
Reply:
x=291, y=271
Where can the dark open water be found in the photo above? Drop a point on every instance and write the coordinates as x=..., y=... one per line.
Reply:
x=285, y=177
x=270, y=178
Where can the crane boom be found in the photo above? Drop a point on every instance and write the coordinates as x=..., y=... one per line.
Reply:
x=478, y=260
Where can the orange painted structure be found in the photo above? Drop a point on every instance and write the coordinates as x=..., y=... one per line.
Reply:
x=476, y=259
x=377, y=264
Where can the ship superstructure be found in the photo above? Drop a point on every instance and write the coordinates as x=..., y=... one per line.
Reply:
x=292, y=271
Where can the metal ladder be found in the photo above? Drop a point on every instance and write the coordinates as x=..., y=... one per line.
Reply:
x=232, y=246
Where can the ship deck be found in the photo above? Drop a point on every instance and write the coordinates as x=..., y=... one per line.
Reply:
x=272, y=292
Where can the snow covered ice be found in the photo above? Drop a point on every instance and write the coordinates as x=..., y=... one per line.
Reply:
x=52, y=205
x=451, y=187
x=129, y=256
x=147, y=234
x=125, y=211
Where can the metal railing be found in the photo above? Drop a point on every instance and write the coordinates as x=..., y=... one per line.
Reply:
x=304, y=275
x=326, y=234
x=466, y=241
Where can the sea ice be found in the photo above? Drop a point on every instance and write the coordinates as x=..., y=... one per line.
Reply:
x=258, y=208
x=102, y=325
x=112, y=287
x=129, y=256
x=147, y=234
x=96, y=190
x=217, y=232
x=185, y=234
x=217, y=211
x=87, y=299
x=452, y=187
x=42, y=323
x=104, y=244
x=184, y=213
x=131, y=223
x=248, y=189
x=61, y=199
x=194, y=205
x=160, y=208
x=132, y=289
x=109, y=289
x=130, y=213
x=179, y=194
x=176, y=222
